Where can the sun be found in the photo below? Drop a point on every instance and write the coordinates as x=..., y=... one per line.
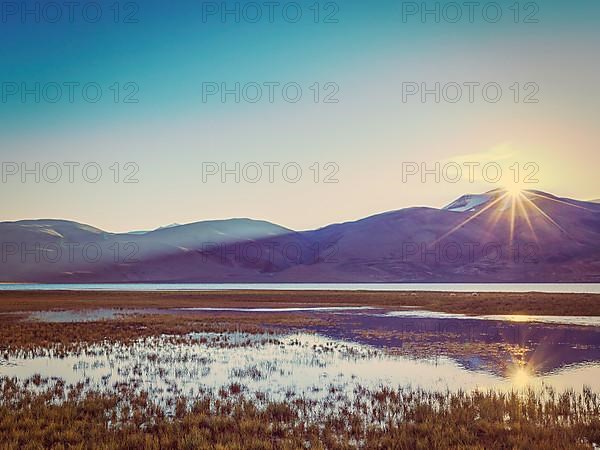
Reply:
x=516, y=203
x=513, y=189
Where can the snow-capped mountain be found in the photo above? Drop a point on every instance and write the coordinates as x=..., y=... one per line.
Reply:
x=477, y=238
x=468, y=202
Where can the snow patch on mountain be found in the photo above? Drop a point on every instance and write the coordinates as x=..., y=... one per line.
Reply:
x=468, y=202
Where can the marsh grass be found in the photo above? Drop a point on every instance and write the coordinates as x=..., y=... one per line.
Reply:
x=34, y=338
x=58, y=416
x=530, y=303
x=43, y=412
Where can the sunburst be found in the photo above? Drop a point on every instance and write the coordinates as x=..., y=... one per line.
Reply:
x=473, y=217
x=514, y=203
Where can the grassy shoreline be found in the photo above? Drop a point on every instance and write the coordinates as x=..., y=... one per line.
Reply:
x=562, y=304
x=47, y=413
x=59, y=416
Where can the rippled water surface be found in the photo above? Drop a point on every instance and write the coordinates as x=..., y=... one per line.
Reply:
x=359, y=347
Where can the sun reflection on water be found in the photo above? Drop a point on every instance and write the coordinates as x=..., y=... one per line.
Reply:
x=521, y=376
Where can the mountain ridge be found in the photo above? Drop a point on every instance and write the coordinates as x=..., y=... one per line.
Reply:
x=539, y=237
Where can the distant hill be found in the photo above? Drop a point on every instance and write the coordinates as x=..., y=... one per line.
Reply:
x=491, y=237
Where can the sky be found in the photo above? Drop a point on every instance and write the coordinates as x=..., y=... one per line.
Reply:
x=123, y=115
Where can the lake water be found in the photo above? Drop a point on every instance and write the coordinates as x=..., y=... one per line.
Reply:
x=592, y=288
x=349, y=349
x=298, y=364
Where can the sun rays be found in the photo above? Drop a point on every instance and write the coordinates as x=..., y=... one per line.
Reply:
x=473, y=217
x=511, y=206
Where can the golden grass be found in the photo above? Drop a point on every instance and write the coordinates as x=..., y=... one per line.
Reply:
x=59, y=417
x=39, y=414
x=20, y=335
x=482, y=303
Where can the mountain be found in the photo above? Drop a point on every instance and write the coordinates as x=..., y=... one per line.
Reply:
x=492, y=237
x=468, y=202
x=65, y=251
x=474, y=244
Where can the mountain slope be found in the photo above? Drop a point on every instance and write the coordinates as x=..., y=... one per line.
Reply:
x=491, y=237
x=64, y=251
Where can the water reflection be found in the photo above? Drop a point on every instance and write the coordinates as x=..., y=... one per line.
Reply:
x=496, y=344
x=591, y=321
x=275, y=365
x=521, y=376
x=355, y=347
x=493, y=345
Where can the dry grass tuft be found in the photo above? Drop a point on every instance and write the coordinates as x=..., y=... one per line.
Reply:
x=61, y=417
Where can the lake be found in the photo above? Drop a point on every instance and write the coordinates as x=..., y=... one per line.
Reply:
x=591, y=288
x=357, y=348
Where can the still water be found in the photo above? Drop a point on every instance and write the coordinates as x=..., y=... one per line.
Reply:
x=303, y=364
x=350, y=348
x=592, y=288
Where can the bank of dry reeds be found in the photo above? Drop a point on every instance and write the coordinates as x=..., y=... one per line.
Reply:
x=43, y=414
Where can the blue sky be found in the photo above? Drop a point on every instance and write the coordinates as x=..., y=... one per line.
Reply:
x=169, y=133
